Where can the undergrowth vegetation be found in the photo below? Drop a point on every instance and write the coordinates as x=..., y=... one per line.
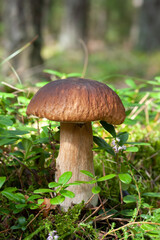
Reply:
x=127, y=166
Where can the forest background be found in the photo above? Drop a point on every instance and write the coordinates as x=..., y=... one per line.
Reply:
x=122, y=37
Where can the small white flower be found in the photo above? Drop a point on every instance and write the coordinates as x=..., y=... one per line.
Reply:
x=124, y=147
x=116, y=149
x=56, y=237
x=118, y=139
x=49, y=237
x=116, y=146
x=52, y=235
x=120, y=147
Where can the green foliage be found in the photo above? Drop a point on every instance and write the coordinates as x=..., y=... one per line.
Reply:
x=68, y=225
x=129, y=180
x=2, y=181
x=102, y=144
x=62, y=75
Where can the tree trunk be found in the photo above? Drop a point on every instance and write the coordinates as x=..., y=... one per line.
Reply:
x=149, y=34
x=37, y=7
x=23, y=21
x=16, y=13
x=74, y=23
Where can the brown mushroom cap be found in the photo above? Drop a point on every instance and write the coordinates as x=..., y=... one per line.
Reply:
x=77, y=100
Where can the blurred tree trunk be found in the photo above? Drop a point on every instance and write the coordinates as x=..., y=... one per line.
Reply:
x=74, y=23
x=37, y=8
x=23, y=21
x=149, y=32
x=16, y=13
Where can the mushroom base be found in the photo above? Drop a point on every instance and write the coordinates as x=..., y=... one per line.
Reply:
x=75, y=154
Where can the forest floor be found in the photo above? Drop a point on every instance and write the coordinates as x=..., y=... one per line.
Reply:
x=109, y=64
x=128, y=181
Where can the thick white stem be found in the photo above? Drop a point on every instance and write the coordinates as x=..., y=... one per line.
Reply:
x=75, y=154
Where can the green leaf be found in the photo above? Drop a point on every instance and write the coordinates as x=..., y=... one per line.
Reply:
x=87, y=173
x=41, y=84
x=77, y=183
x=17, y=154
x=127, y=212
x=58, y=189
x=10, y=189
x=146, y=205
x=23, y=228
x=15, y=227
x=129, y=199
x=91, y=182
x=7, y=141
x=21, y=197
x=107, y=177
x=2, y=181
x=23, y=100
x=131, y=83
x=40, y=201
x=21, y=206
x=123, y=138
x=5, y=120
x=139, y=143
x=157, y=78
x=102, y=144
x=12, y=133
x=6, y=95
x=10, y=196
x=74, y=183
x=150, y=228
x=153, y=82
x=57, y=136
x=125, y=178
x=16, y=197
x=22, y=221
x=54, y=184
x=96, y=189
x=57, y=200
x=145, y=216
x=33, y=197
x=4, y=211
x=129, y=121
x=67, y=193
x=109, y=212
x=73, y=75
x=43, y=190
x=65, y=177
x=42, y=140
x=27, y=144
x=151, y=194
x=109, y=128
x=53, y=72
x=124, y=186
x=132, y=149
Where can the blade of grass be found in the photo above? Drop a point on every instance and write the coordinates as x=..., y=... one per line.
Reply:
x=19, y=51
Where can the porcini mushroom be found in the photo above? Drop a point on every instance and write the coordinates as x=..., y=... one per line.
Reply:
x=75, y=102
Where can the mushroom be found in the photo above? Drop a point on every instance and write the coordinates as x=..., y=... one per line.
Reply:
x=75, y=102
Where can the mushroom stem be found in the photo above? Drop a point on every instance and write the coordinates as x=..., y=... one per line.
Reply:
x=75, y=154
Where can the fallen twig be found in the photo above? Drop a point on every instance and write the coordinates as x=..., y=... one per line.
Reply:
x=126, y=225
